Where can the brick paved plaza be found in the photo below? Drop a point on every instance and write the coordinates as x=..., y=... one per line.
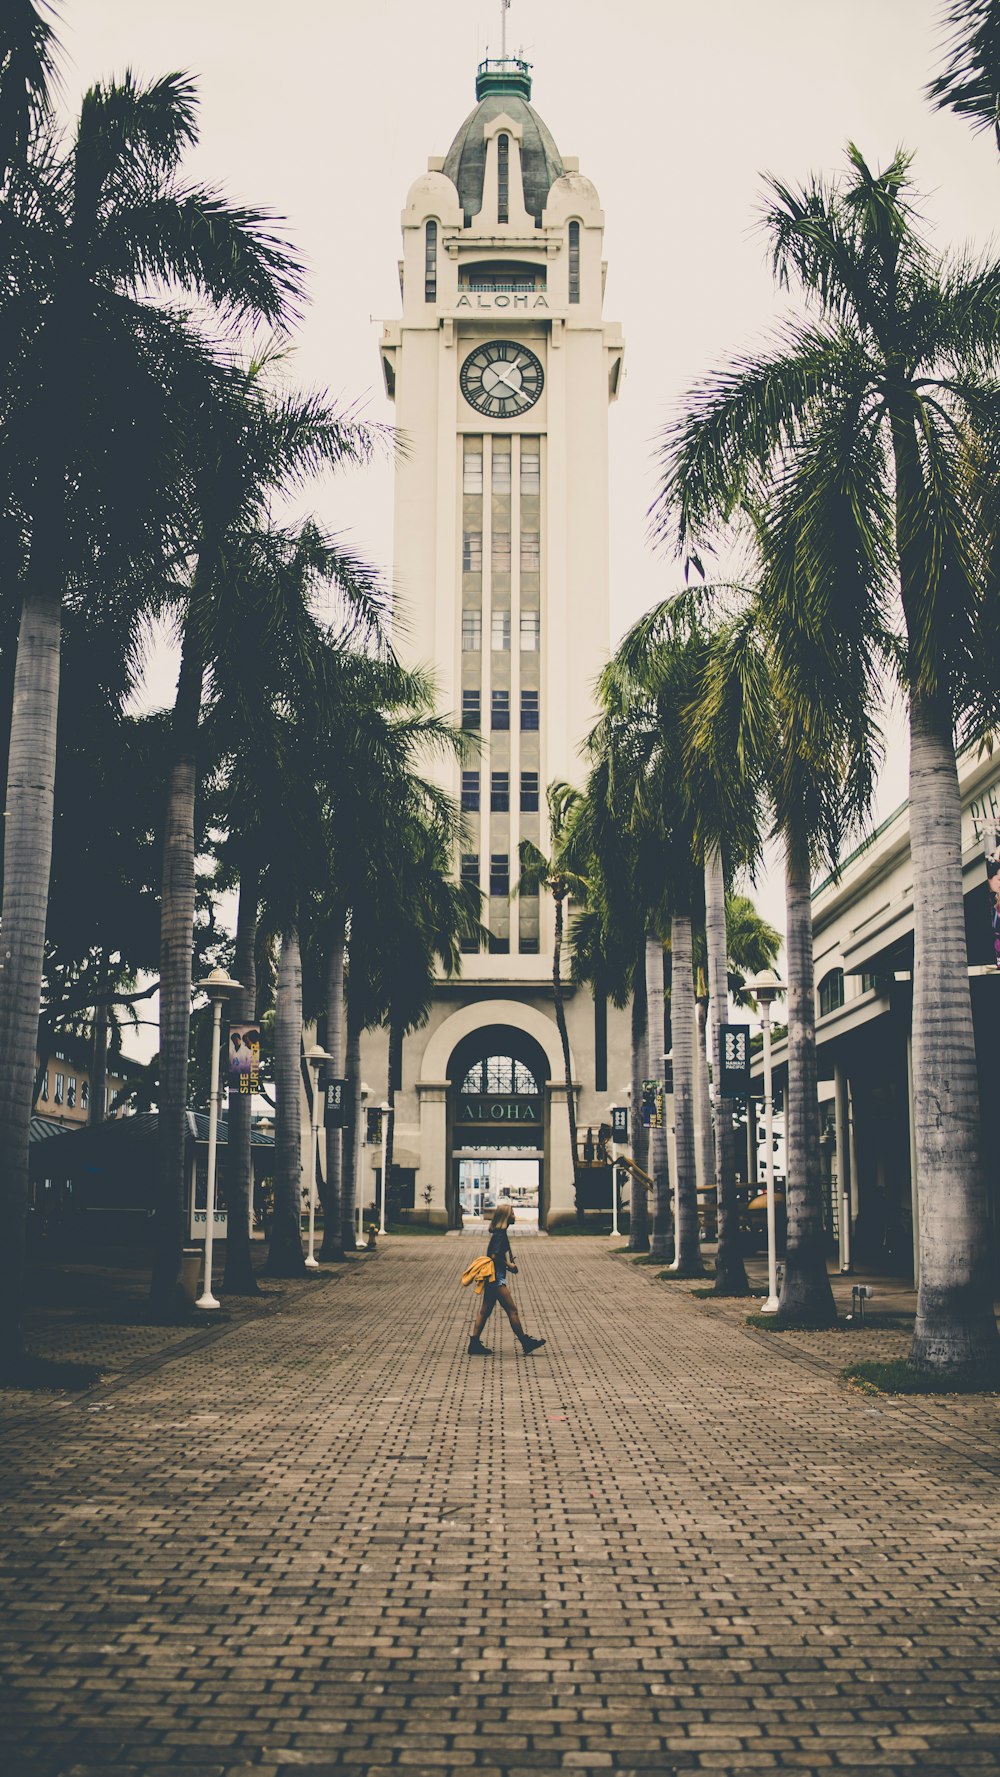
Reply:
x=319, y=1537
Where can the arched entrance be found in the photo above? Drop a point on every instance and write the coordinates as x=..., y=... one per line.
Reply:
x=496, y=1122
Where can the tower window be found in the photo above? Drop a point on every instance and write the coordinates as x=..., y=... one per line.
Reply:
x=500, y=552
x=470, y=709
x=503, y=178
x=500, y=791
x=470, y=867
x=501, y=632
x=470, y=791
x=500, y=709
x=529, y=709
x=472, y=552
x=831, y=992
x=71, y=1092
x=531, y=552
x=501, y=466
x=60, y=1083
x=499, y=873
x=472, y=632
x=574, y=262
x=529, y=792
x=472, y=468
x=430, y=262
x=531, y=623
x=531, y=466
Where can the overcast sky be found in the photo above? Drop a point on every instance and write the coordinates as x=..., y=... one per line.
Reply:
x=326, y=110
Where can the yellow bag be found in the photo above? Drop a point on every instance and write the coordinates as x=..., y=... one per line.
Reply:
x=481, y=1271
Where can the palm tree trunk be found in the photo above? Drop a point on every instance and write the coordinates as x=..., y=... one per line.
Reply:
x=730, y=1271
x=806, y=1296
x=239, y=1279
x=332, y=1195
x=99, y=1051
x=638, y=1239
x=557, y=995
x=31, y=772
x=176, y=946
x=688, y=1263
x=955, y=1327
x=285, y=1258
x=352, y=1130
x=703, y=1134
x=661, y=1245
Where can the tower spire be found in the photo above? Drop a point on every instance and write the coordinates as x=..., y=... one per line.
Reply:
x=504, y=9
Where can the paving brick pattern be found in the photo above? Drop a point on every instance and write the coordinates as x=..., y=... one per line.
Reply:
x=323, y=1539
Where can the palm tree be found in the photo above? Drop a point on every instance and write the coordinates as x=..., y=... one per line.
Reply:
x=88, y=455
x=648, y=685
x=250, y=445
x=862, y=419
x=970, y=83
x=556, y=874
x=27, y=67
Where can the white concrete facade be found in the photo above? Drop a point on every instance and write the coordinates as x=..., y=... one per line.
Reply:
x=501, y=569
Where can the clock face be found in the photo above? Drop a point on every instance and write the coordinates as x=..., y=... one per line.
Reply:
x=501, y=379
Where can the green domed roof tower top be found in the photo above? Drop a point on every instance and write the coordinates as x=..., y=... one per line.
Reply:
x=503, y=87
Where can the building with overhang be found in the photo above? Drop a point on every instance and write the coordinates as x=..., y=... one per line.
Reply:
x=863, y=947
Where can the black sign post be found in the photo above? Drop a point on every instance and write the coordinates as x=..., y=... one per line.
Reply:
x=734, y=1043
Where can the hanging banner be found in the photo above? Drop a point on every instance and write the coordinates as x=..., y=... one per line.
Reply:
x=244, y=1058
x=335, y=1104
x=993, y=884
x=619, y=1122
x=734, y=1073
x=651, y=1109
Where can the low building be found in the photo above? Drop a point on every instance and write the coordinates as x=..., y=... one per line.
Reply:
x=94, y=1187
x=64, y=1091
x=863, y=944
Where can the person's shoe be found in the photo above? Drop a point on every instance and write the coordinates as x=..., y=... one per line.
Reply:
x=530, y=1345
x=478, y=1349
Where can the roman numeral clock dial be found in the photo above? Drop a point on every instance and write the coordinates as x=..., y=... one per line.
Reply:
x=501, y=379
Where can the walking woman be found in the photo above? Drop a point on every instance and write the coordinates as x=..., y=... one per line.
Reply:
x=499, y=1290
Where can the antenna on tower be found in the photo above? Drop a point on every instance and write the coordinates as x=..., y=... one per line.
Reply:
x=504, y=9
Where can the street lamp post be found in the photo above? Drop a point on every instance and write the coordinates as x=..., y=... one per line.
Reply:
x=316, y=1058
x=613, y=1145
x=766, y=987
x=387, y=1112
x=359, y=1146
x=218, y=985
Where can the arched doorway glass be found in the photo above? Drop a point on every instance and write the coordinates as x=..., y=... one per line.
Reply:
x=497, y=1123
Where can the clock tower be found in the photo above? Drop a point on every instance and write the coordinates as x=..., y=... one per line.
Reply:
x=502, y=370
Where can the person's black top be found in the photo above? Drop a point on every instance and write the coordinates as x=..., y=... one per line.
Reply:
x=499, y=1251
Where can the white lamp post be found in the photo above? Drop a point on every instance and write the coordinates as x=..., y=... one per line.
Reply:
x=387, y=1112
x=613, y=1145
x=766, y=987
x=316, y=1058
x=218, y=985
x=359, y=1171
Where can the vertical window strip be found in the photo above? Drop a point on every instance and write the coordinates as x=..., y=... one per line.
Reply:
x=574, y=262
x=503, y=178
x=430, y=262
